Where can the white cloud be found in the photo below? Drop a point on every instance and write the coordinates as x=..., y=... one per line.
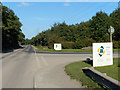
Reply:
x=66, y=4
x=23, y=4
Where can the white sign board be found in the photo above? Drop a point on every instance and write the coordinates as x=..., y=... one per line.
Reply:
x=102, y=54
x=111, y=29
x=57, y=47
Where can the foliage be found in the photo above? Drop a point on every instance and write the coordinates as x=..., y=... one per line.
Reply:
x=115, y=22
x=81, y=35
x=71, y=36
x=67, y=45
x=11, y=29
x=116, y=44
x=99, y=26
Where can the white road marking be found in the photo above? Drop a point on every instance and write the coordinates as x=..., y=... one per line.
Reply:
x=39, y=66
x=34, y=82
x=38, y=63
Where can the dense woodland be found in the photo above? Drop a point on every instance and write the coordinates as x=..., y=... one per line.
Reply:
x=71, y=36
x=11, y=29
x=82, y=34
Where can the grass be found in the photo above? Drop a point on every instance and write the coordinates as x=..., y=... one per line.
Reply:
x=75, y=72
x=41, y=48
x=116, y=50
x=112, y=70
x=65, y=50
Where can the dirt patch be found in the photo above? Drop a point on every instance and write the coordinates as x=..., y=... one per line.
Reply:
x=87, y=48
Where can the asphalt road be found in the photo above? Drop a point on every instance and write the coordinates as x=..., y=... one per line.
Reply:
x=27, y=68
x=18, y=69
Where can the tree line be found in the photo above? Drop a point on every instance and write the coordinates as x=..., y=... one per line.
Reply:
x=82, y=34
x=71, y=36
x=11, y=29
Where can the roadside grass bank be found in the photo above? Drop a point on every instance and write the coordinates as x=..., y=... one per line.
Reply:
x=40, y=48
x=112, y=70
x=74, y=70
x=65, y=50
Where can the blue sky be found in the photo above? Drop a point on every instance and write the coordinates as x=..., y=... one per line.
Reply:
x=39, y=16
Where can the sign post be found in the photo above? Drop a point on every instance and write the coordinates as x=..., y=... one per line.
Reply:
x=111, y=31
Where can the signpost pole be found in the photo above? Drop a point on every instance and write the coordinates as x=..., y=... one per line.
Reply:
x=110, y=37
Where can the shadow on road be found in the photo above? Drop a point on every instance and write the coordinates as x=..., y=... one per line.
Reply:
x=11, y=50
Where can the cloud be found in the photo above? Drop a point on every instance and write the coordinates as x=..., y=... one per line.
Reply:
x=23, y=4
x=66, y=4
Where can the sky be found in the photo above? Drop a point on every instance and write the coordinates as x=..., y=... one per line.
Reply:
x=40, y=16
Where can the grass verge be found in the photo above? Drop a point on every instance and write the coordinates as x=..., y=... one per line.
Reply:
x=75, y=72
x=65, y=50
x=112, y=70
x=40, y=48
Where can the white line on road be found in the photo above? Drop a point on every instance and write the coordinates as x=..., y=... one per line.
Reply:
x=34, y=83
x=38, y=63
x=39, y=66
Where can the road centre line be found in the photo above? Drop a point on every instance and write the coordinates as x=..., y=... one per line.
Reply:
x=38, y=63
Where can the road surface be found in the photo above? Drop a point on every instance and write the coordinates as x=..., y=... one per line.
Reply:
x=18, y=69
x=28, y=69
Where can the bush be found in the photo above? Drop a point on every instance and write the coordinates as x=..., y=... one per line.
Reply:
x=116, y=44
x=83, y=43
x=88, y=41
x=67, y=45
x=50, y=46
x=79, y=44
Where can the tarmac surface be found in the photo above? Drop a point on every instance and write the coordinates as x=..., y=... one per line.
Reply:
x=27, y=68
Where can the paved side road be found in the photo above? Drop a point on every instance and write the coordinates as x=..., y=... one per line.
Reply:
x=51, y=72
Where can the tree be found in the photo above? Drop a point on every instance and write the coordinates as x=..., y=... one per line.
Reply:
x=82, y=34
x=10, y=29
x=99, y=26
x=115, y=22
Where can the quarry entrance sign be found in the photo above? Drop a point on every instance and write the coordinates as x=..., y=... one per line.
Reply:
x=102, y=54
